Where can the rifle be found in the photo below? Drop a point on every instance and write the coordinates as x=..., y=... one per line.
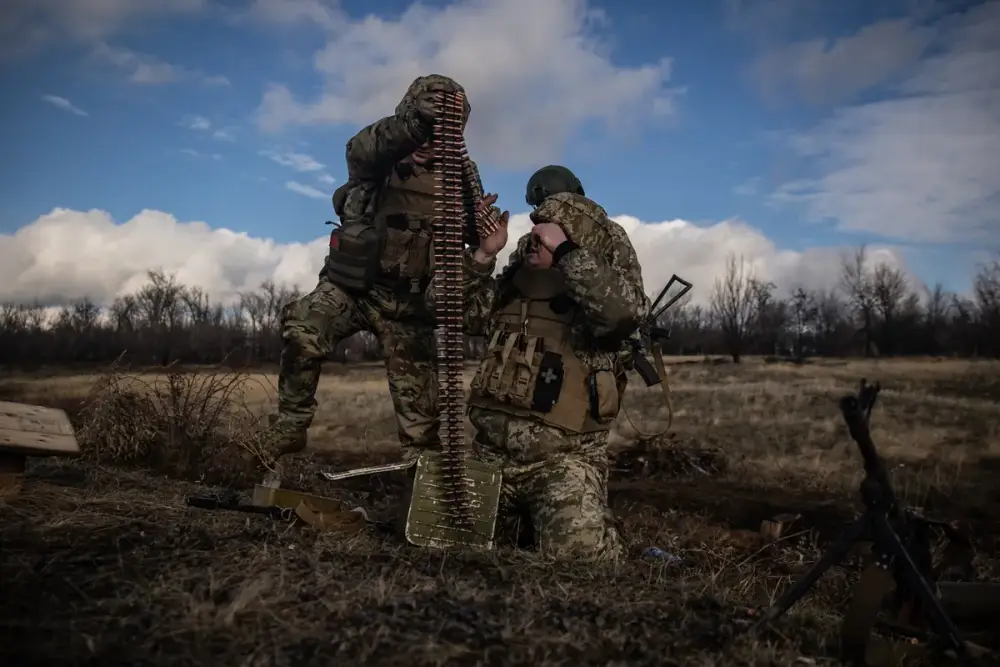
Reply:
x=232, y=504
x=649, y=345
x=900, y=548
x=655, y=334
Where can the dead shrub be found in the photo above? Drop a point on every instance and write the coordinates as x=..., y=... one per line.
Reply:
x=186, y=424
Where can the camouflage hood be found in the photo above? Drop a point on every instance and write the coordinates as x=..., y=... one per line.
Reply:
x=584, y=221
x=428, y=85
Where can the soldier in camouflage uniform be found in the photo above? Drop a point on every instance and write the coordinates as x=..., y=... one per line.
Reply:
x=375, y=276
x=557, y=320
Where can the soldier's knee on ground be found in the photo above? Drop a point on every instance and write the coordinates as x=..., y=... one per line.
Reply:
x=598, y=540
x=570, y=512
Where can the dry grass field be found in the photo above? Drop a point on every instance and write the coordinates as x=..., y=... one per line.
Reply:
x=103, y=564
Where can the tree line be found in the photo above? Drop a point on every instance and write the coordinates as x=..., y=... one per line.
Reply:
x=872, y=310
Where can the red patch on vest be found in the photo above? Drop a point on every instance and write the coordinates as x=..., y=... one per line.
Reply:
x=334, y=240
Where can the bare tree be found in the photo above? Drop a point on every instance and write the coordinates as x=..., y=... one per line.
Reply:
x=888, y=292
x=856, y=282
x=734, y=303
x=803, y=313
x=770, y=318
x=986, y=290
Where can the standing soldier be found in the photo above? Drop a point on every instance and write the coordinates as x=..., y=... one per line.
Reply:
x=375, y=276
x=557, y=321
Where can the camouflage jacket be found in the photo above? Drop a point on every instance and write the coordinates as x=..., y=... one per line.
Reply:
x=602, y=274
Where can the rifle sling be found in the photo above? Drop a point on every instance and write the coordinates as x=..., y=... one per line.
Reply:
x=661, y=370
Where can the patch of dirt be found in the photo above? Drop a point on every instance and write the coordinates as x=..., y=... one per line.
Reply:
x=109, y=567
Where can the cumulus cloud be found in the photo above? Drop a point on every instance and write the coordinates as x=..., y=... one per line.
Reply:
x=922, y=164
x=326, y=179
x=297, y=161
x=64, y=104
x=535, y=72
x=71, y=254
x=145, y=69
x=30, y=25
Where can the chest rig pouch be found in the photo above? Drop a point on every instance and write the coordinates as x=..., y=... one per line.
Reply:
x=406, y=212
x=392, y=247
x=530, y=367
x=353, y=262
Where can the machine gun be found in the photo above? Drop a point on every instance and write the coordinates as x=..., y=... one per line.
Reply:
x=901, y=556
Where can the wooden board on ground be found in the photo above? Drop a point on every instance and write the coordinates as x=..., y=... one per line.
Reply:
x=33, y=430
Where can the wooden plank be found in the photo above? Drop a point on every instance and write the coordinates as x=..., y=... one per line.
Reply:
x=33, y=430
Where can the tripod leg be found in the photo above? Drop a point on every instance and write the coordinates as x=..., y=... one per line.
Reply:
x=833, y=556
x=915, y=582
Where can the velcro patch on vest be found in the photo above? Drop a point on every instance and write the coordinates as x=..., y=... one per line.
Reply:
x=549, y=383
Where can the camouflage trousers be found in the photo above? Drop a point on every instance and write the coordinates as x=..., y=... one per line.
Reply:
x=555, y=480
x=311, y=329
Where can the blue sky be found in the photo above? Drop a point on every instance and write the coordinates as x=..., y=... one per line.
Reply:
x=817, y=126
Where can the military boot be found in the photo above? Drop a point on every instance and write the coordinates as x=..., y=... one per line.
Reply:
x=282, y=436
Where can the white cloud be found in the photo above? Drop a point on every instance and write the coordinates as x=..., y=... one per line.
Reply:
x=535, y=73
x=194, y=153
x=924, y=164
x=747, y=188
x=825, y=71
x=298, y=161
x=307, y=190
x=324, y=13
x=64, y=104
x=145, y=69
x=30, y=25
x=224, y=134
x=197, y=123
x=326, y=179
x=71, y=254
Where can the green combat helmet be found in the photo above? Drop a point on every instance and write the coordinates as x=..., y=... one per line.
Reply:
x=551, y=180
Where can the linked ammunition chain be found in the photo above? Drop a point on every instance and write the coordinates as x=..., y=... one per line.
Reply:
x=449, y=224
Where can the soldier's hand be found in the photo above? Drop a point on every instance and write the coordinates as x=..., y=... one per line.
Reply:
x=492, y=228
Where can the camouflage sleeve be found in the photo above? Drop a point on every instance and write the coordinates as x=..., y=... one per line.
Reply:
x=481, y=298
x=607, y=286
x=373, y=151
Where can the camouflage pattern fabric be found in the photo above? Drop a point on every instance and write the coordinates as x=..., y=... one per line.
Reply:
x=558, y=481
x=313, y=325
x=602, y=274
x=560, y=478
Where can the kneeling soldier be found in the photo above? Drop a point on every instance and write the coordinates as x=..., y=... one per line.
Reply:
x=557, y=321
